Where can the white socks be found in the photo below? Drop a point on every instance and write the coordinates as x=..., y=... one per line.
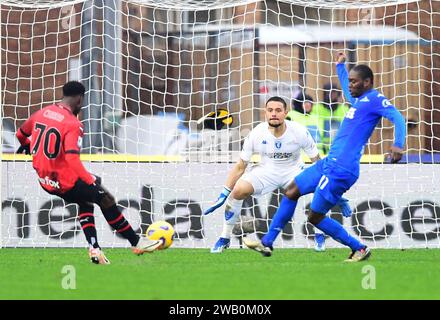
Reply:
x=232, y=213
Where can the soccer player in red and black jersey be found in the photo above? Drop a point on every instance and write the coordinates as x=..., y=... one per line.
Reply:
x=53, y=137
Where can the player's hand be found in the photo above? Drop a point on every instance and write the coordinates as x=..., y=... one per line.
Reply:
x=341, y=57
x=220, y=201
x=395, y=154
x=345, y=207
x=97, y=180
x=24, y=149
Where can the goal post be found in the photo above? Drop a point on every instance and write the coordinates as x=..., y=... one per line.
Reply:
x=153, y=69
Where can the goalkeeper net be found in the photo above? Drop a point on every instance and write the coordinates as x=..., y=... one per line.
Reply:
x=173, y=87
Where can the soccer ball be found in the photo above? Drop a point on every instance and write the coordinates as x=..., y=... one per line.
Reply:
x=161, y=230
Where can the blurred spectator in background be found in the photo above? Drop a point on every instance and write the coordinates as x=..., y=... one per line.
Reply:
x=302, y=112
x=330, y=113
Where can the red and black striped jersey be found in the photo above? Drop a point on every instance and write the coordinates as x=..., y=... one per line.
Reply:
x=55, y=143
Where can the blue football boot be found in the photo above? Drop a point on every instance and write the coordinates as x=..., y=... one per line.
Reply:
x=319, y=242
x=220, y=245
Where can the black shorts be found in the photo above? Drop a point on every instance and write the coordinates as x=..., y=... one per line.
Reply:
x=82, y=193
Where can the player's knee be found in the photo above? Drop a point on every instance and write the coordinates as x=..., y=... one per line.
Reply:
x=292, y=192
x=86, y=207
x=240, y=193
x=315, y=218
x=107, y=201
x=242, y=190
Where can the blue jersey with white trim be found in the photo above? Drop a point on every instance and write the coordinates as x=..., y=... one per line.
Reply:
x=359, y=123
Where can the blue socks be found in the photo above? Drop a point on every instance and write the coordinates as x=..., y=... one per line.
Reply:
x=329, y=226
x=282, y=216
x=337, y=232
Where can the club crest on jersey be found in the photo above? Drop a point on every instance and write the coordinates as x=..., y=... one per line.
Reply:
x=278, y=144
x=386, y=103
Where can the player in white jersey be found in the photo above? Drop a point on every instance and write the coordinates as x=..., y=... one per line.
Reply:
x=279, y=143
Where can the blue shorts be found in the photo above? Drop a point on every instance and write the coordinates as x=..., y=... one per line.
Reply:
x=328, y=182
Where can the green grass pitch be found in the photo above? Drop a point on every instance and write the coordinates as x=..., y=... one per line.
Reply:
x=236, y=274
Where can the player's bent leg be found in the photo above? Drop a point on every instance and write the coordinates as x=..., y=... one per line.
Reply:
x=282, y=216
x=115, y=218
x=292, y=192
x=87, y=222
x=79, y=194
x=303, y=183
x=333, y=228
x=117, y=221
x=241, y=191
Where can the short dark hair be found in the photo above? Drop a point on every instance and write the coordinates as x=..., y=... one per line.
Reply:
x=277, y=99
x=364, y=71
x=73, y=88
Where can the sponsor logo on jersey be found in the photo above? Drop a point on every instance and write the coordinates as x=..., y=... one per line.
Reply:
x=264, y=142
x=48, y=182
x=279, y=155
x=365, y=99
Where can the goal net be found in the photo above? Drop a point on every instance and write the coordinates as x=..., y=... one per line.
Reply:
x=173, y=87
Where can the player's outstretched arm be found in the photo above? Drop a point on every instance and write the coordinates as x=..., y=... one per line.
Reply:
x=233, y=176
x=400, y=136
x=388, y=111
x=343, y=75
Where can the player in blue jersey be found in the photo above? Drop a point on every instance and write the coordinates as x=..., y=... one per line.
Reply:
x=331, y=177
